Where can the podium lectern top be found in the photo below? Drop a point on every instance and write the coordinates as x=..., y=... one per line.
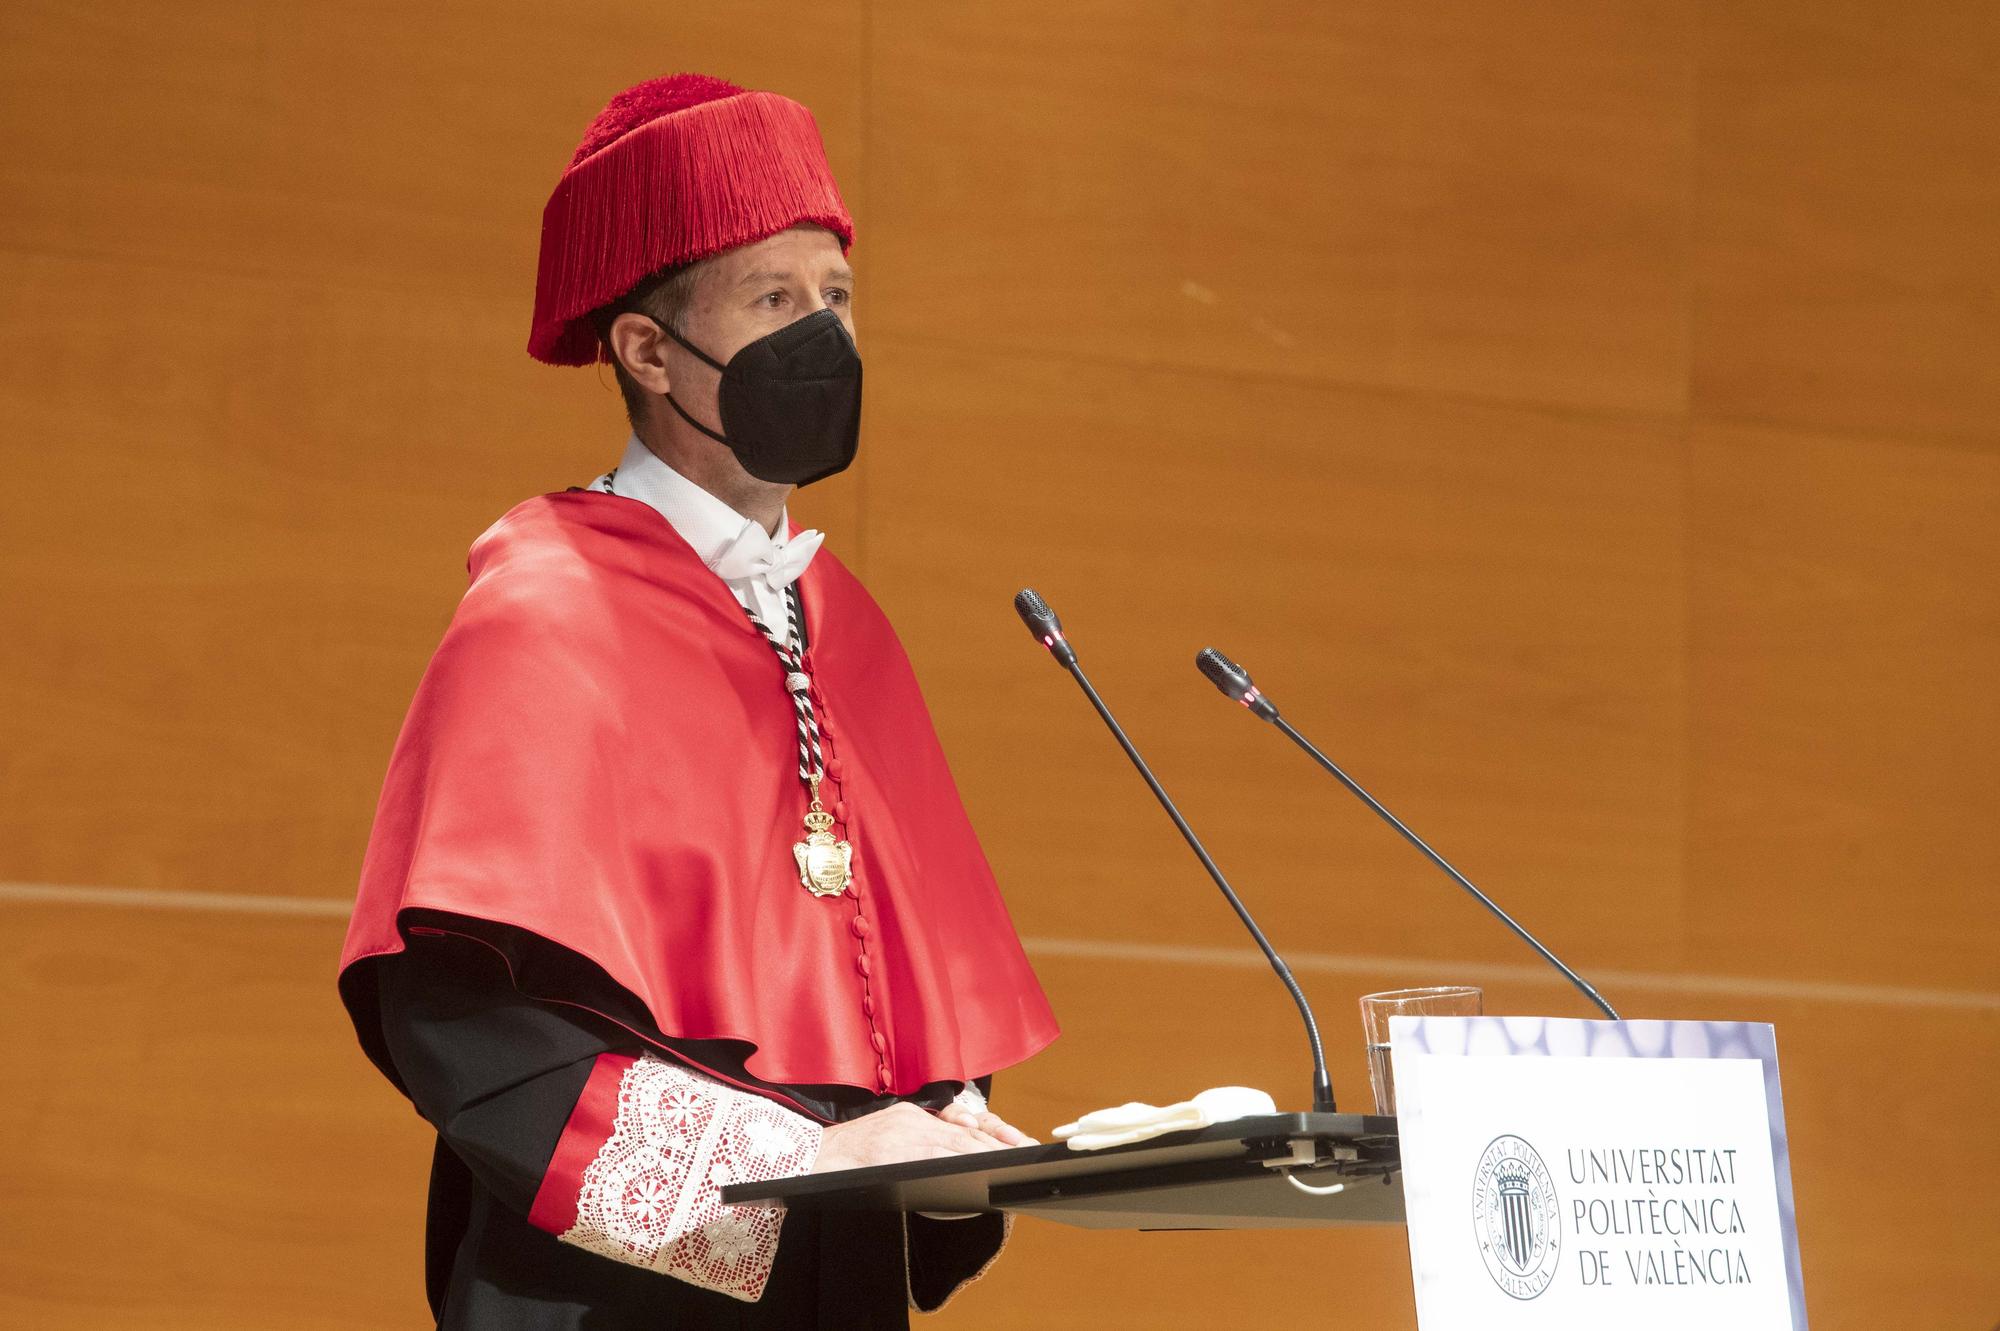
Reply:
x=1251, y=1173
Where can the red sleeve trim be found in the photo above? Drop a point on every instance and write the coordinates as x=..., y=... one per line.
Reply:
x=589, y=1127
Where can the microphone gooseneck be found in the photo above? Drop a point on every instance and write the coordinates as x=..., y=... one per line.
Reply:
x=1042, y=622
x=1234, y=681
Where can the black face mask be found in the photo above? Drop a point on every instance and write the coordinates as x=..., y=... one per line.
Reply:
x=790, y=401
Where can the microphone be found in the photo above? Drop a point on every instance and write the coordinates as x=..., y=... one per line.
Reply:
x=1234, y=682
x=1042, y=622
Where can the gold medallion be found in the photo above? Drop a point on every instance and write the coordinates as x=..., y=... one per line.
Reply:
x=826, y=866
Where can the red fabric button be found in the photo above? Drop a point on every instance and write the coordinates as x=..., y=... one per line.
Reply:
x=880, y=1042
x=868, y=1004
x=835, y=768
x=883, y=1070
x=840, y=811
x=861, y=963
x=860, y=926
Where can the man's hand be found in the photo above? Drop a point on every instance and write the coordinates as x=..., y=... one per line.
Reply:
x=905, y=1132
x=989, y=1123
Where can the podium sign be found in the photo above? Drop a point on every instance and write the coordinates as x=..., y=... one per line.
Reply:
x=1585, y=1174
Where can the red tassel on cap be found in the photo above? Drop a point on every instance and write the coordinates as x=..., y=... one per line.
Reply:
x=673, y=170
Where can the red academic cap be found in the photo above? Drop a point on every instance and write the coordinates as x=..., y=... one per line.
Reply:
x=673, y=170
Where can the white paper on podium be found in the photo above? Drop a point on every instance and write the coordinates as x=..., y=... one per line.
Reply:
x=1583, y=1174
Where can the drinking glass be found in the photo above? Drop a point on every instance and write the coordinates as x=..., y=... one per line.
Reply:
x=1451, y=1000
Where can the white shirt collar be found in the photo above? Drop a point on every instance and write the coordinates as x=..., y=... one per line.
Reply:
x=704, y=522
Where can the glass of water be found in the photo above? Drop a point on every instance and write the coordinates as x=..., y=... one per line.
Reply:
x=1451, y=1000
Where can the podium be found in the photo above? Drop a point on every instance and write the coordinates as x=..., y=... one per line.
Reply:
x=1274, y=1171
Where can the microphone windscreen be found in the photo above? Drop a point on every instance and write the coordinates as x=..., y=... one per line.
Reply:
x=1035, y=613
x=1224, y=673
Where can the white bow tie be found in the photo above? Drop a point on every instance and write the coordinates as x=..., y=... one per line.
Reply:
x=753, y=557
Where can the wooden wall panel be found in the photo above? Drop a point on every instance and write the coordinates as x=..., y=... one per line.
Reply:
x=1462, y=198
x=1476, y=608
x=1576, y=416
x=1845, y=720
x=228, y=567
x=1847, y=257
x=404, y=149
x=194, y=1142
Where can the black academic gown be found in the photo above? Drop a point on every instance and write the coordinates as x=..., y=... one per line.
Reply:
x=497, y=1075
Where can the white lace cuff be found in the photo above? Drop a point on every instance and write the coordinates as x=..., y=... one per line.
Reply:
x=650, y=1194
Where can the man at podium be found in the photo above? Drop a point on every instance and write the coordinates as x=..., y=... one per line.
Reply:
x=669, y=885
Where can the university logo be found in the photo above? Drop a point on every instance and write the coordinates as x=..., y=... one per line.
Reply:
x=1515, y=1219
